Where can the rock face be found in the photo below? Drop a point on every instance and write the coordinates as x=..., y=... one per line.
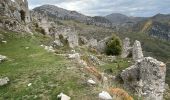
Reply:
x=72, y=40
x=14, y=15
x=126, y=48
x=101, y=45
x=137, y=51
x=17, y=9
x=146, y=78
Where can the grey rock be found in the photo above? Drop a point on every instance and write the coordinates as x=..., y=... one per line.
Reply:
x=94, y=60
x=101, y=45
x=146, y=78
x=58, y=43
x=4, y=81
x=127, y=49
x=137, y=51
x=2, y=58
x=92, y=43
x=83, y=40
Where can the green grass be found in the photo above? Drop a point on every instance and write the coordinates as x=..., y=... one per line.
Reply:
x=49, y=74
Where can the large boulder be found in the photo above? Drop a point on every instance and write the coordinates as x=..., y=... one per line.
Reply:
x=137, y=51
x=101, y=45
x=126, y=48
x=146, y=78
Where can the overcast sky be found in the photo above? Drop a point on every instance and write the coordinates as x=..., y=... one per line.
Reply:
x=105, y=7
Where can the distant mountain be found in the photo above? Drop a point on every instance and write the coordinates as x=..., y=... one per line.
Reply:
x=63, y=14
x=117, y=18
x=157, y=26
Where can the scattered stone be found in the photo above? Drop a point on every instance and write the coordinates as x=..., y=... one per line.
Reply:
x=105, y=96
x=42, y=45
x=27, y=47
x=126, y=48
x=73, y=51
x=90, y=81
x=94, y=60
x=137, y=51
x=74, y=56
x=29, y=84
x=49, y=48
x=4, y=81
x=2, y=58
x=63, y=96
x=146, y=78
x=4, y=42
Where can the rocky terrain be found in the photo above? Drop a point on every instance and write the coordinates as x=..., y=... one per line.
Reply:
x=51, y=53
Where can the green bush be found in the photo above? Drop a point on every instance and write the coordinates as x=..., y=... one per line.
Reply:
x=114, y=46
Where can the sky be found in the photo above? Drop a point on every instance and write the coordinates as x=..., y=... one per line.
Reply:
x=138, y=8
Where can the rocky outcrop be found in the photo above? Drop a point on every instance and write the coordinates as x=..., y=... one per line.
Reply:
x=16, y=9
x=126, y=48
x=101, y=45
x=137, y=51
x=14, y=15
x=72, y=39
x=146, y=78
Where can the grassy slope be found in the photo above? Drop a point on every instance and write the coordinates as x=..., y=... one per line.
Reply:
x=47, y=73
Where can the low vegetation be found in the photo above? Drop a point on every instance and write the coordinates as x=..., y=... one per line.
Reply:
x=114, y=46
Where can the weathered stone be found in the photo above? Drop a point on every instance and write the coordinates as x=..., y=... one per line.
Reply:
x=92, y=82
x=147, y=78
x=137, y=51
x=49, y=48
x=57, y=43
x=74, y=56
x=72, y=40
x=127, y=49
x=14, y=15
x=94, y=60
x=92, y=43
x=83, y=40
x=101, y=45
x=4, y=81
x=105, y=96
x=63, y=96
x=2, y=58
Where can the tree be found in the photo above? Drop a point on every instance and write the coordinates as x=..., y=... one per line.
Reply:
x=114, y=46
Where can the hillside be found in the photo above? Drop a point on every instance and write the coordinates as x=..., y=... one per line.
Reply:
x=51, y=53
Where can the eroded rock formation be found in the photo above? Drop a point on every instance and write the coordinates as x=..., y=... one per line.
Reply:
x=126, y=48
x=137, y=51
x=146, y=78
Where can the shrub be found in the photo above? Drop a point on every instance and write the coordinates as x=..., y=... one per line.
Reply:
x=114, y=46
